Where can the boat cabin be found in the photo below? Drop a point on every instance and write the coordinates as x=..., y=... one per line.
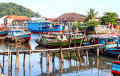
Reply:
x=108, y=40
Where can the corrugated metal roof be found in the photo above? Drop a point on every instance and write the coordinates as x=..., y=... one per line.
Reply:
x=40, y=20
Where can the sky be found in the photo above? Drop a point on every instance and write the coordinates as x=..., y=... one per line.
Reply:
x=54, y=8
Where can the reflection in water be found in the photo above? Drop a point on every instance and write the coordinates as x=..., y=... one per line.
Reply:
x=90, y=65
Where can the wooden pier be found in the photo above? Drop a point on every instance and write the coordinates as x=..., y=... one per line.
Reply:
x=61, y=51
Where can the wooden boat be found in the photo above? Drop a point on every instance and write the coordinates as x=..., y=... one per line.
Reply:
x=43, y=27
x=111, y=42
x=19, y=34
x=116, y=68
x=77, y=38
x=53, y=41
x=3, y=33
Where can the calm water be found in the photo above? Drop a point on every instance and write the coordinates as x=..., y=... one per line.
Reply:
x=91, y=65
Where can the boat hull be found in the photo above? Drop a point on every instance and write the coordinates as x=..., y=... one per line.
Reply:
x=3, y=33
x=25, y=37
x=53, y=45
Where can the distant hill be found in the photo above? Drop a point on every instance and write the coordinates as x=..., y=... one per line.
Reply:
x=14, y=9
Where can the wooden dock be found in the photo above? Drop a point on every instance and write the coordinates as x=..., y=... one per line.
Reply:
x=61, y=51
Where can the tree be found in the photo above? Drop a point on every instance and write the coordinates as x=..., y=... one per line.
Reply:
x=91, y=15
x=14, y=9
x=109, y=17
x=77, y=25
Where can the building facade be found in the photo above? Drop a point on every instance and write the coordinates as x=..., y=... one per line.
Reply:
x=68, y=19
x=14, y=21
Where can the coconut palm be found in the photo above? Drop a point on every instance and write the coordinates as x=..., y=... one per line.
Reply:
x=91, y=15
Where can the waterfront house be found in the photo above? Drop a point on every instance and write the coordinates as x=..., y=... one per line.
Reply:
x=15, y=21
x=68, y=19
x=50, y=19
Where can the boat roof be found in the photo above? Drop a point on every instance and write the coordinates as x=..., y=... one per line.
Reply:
x=105, y=36
x=49, y=36
x=74, y=34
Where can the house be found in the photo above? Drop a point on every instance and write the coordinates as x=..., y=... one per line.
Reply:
x=16, y=21
x=50, y=19
x=2, y=20
x=68, y=19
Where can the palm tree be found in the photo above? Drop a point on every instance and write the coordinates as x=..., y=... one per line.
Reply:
x=91, y=15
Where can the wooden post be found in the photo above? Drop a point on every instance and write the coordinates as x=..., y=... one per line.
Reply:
x=24, y=61
x=47, y=70
x=3, y=63
x=41, y=58
x=1, y=67
x=53, y=57
x=18, y=59
x=9, y=66
x=61, y=55
x=76, y=53
x=48, y=57
x=30, y=60
x=61, y=68
x=87, y=53
x=79, y=55
x=11, y=61
x=97, y=52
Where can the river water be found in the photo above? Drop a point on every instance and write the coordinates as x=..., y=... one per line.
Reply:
x=88, y=66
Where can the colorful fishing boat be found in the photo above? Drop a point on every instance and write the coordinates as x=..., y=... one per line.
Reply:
x=76, y=38
x=116, y=68
x=44, y=27
x=25, y=36
x=111, y=42
x=3, y=33
x=53, y=41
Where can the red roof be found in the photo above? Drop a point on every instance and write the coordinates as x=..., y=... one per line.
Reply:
x=18, y=18
x=50, y=19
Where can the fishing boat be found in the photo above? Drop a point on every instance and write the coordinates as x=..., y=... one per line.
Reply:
x=44, y=27
x=116, y=68
x=111, y=42
x=3, y=33
x=77, y=38
x=20, y=34
x=53, y=41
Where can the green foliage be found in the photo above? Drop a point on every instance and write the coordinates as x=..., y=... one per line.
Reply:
x=91, y=15
x=52, y=23
x=109, y=17
x=92, y=23
x=14, y=9
x=77, y=25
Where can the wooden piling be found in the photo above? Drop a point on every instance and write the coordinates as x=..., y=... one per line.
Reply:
x=97, y=52
x=41, y=58
x=87, y=53
x=61, y=55
x=30, y=60
x=53, y=57
x=79, y=54
x=9, y=66
x=24, y=61
x=48, y=57
x=18, y=58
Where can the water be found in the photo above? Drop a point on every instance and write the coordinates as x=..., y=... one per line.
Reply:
x=89, y=66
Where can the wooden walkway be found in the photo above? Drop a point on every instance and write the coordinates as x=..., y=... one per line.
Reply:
x=61, y=51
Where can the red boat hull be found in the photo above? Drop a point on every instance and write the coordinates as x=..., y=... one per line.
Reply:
x=2, y=35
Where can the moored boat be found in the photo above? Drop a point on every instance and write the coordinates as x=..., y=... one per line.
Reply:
x=53, y=41
x=44, y=27
x=111, y=42
x=23, y=35
x=3, y=33
x=76, y=38
x=116, y=68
